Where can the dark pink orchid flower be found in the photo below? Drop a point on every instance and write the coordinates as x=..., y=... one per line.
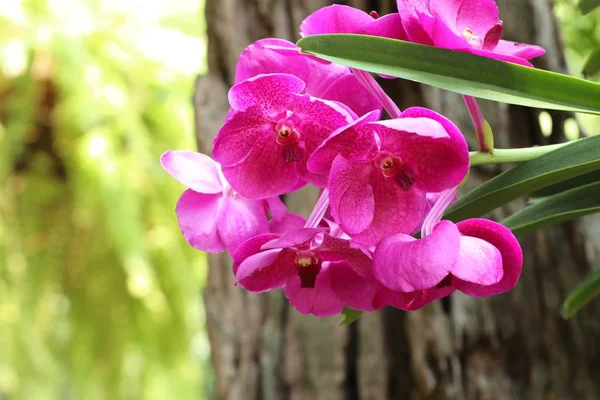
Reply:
x=264, y=145
x=471, y=26
x=345, y=19
x=477, y=256
x=323, y=79
x=213, y=217
x=379, y=172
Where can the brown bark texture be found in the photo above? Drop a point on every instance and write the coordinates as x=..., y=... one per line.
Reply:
x=512, y=346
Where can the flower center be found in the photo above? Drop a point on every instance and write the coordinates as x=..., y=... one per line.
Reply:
x=393, y=167
x=287, y=137
x=309, y=267
x=473, y=39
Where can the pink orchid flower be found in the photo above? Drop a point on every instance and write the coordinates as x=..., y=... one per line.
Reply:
x=345, y=19
x=323, y=79
x=477, y=256
x=213, y=217
x=471, y=26
x=380, y=172
x=270, y=261
x=264, y=145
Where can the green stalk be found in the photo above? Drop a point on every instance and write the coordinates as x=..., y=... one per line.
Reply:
x=502, y=156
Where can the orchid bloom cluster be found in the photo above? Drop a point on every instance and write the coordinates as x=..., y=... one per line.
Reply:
x=376, y=236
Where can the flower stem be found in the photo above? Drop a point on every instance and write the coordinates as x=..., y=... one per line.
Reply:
x=367, y=80
x=319, y=211
x=502, y=156
x=478, y=122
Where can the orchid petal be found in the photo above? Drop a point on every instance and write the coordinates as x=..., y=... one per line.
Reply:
x=239, y=219
x=271, y=92
x=320, y=300
x=249, y=248
x=195, y=170
x=410, y=301
x=290, y=222
x=520, y=50
x=479, y=264
x=277, y=208
x=389, y=26
x=197, y=217
x=293, y=238
x=351, y=196
x=356, y=291
x=403, y=263
x=502, y=239
x=270, y=269
x=356, y=258
x=479, y=16
x=334, y=19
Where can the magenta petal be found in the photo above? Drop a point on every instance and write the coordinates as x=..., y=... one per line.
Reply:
x=289, y=223
x=277, y=209
x=479, y=16
x=479, y=264
x=271, y=92
x=293, y=238
x=195, y=170
x=270, y=269
x=340, y=249
x=403, y=263
x=504, y=240
x=264, y=172
x=410, y=301
x=249, y=248
x=407, y=9
x=500, y=57
x=239, y=219
x=347, y=90
x=441, y=34
x=355, y=291
x=334, y=19
x=351, y=197
x=520, y=50
x=396, y=210
x=389, y=26
x=197, y=217
x=320, y=300
x=348, y=141
x=240, y=134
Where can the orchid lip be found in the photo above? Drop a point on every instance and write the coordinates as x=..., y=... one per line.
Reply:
x=393, y=167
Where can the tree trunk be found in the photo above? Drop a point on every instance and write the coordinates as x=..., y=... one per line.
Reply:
x=512, y=346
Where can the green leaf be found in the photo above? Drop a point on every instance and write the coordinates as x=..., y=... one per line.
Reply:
x=349, y=316
x=587, y=6
x=592, y=64
x=567, y=162
x=458, y=72
x=572, y=183
x=555, y=209
x=582, y=294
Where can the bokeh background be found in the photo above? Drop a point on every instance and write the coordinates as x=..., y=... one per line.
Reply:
x=100, y=296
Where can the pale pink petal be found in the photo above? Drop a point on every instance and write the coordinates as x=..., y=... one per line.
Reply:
x=403, y=263
x=240, y=134
x=356, y=291
x=195, y=170
x=289, y=223
x=197, y=217
x=270, y=92
x=521, y=50
x=351, y=197
x=249, y=248
x=349, y=141
x=504, y=240
x=334, y=19
x=396, y=210
x=239, y=219
x=480, y=16
x=270, y=269
x=479, y=264
x=320, y=300
x=264, y=172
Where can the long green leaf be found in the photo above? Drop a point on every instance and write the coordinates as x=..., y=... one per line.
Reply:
x=587, y=6
x=573, y=160
x=558, y=208
x=572, y=183
x=582, y=294
x=458, y=72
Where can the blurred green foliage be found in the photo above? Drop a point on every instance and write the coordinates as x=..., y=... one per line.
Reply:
x=99, y=294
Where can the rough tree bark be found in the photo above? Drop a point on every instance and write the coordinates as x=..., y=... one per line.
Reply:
x=514, y=346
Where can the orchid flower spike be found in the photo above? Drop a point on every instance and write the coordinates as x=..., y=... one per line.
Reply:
x=472, y=26
x=380, y=172
x=264, y=145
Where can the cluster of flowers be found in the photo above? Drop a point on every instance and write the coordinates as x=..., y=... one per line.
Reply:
x=295, y=119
